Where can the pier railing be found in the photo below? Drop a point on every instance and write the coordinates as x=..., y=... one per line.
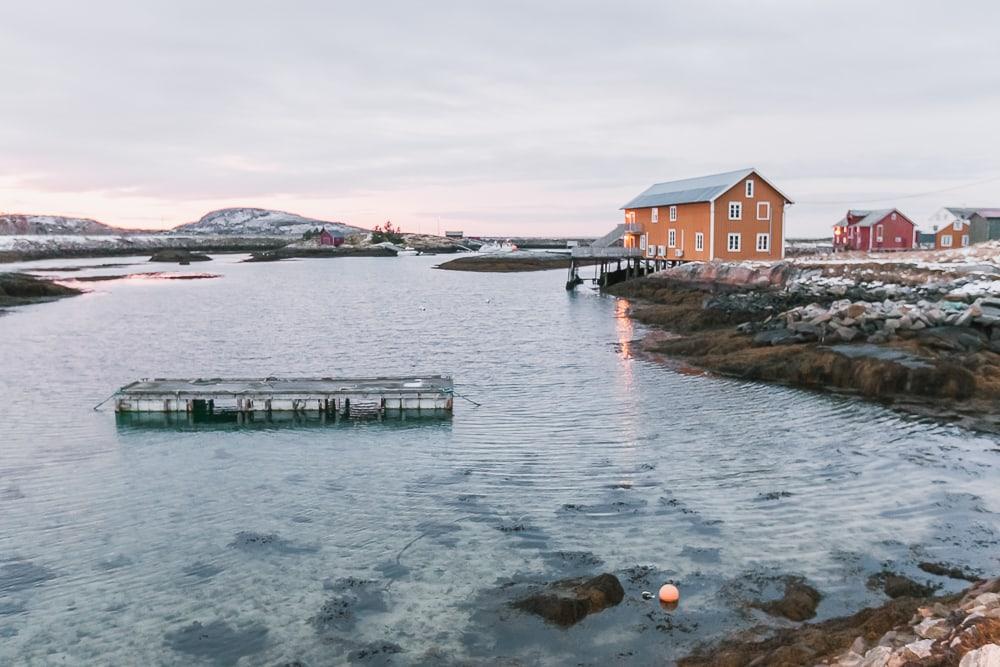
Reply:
x=612, y=252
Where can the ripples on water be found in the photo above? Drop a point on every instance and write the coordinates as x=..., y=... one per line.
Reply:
x=323, y=544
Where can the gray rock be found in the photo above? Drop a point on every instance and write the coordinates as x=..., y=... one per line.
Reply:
x=984, y=656
x=776, y=337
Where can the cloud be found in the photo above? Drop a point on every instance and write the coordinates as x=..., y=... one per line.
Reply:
x=565, y=107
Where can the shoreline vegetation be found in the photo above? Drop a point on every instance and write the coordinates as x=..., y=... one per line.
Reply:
x=920, y=335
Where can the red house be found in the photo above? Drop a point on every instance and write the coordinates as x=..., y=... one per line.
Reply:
x=885, y=229
x=328, y=238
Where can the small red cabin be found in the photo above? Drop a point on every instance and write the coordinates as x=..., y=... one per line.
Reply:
x=885, y=229
x=328, y=238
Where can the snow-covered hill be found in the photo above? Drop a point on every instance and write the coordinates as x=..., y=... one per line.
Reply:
x=260, y=222
x=13, y=223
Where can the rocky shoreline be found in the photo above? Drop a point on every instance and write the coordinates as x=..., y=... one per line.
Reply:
x=930, y=348
x=19, y=289
x=911, y=630
x=509, y=262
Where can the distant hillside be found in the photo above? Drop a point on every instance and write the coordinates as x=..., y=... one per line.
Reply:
x=12, y=223
x=259, y=222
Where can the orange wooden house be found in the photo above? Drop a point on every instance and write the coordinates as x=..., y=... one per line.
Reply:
x=737, y=215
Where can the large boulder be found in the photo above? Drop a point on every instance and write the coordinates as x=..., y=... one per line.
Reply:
x=569, y=601
x=798, y=603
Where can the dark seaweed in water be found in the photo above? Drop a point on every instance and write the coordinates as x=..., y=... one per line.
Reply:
x=21, y=574
x=339, y=613
x=202, y=570
x=218, y=642
x=248, y=540
x=375, y=653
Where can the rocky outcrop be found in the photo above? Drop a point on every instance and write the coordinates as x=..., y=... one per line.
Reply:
x=798, y=603
x=179, y=256
x=960, y=630
x=17, y=289
x=569, y=601
x=945, y=324
x=936, y=357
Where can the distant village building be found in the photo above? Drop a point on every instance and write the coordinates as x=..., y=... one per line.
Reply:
x=455, y=234
x=326, y=237
x=884, y=229
x=732, y=216
x=955, y=227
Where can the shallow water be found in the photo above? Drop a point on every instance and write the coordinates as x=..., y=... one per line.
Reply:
x=403, y=543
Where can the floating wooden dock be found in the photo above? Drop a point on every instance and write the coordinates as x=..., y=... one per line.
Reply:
x=334, y=397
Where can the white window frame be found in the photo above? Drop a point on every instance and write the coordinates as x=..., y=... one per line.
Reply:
x=879, y=233
x=642, y=242
x=766, y=238
x=767, y=210
x=946, y=241
x=654, y=215
x=729, y=242
x=965, y=240
x=958, y=226
x=748, y=188
x=671, y=238
x=651, y=251
x=699, y=241
x=662, y=252
x=893, y=216
x=673, y=214
x=629, y=217
x=735, y=210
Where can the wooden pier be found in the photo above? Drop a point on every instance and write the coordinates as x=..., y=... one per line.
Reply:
x=326, y=397
x=613, y=262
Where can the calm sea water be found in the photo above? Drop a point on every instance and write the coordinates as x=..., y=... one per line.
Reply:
x=404, y=543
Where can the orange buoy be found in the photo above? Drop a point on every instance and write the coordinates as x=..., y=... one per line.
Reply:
x=669, y=593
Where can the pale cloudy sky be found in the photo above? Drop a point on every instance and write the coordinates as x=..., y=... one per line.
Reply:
x=516, y=117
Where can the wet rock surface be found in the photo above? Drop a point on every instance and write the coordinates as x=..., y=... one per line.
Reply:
x=569, y=601
x=797, y=603
x=897, y=586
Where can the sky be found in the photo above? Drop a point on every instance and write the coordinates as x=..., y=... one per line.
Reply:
x=536, y=118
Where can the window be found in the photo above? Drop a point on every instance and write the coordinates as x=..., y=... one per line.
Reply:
x=946, y=241
x=763, y=242
x=672, y=238
x=629, y=217
x=893, y=216
x=663, y=251
x=958, y=225
x=735, y=210
x=965, y=240
x=642, y=242
x=763, y=210
x=878, y=233
x=655, y=215
x=733, y=242
x=651, y=251
x=699, y=241
x=673, y=214
x=899, y=239
x=749, y=186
